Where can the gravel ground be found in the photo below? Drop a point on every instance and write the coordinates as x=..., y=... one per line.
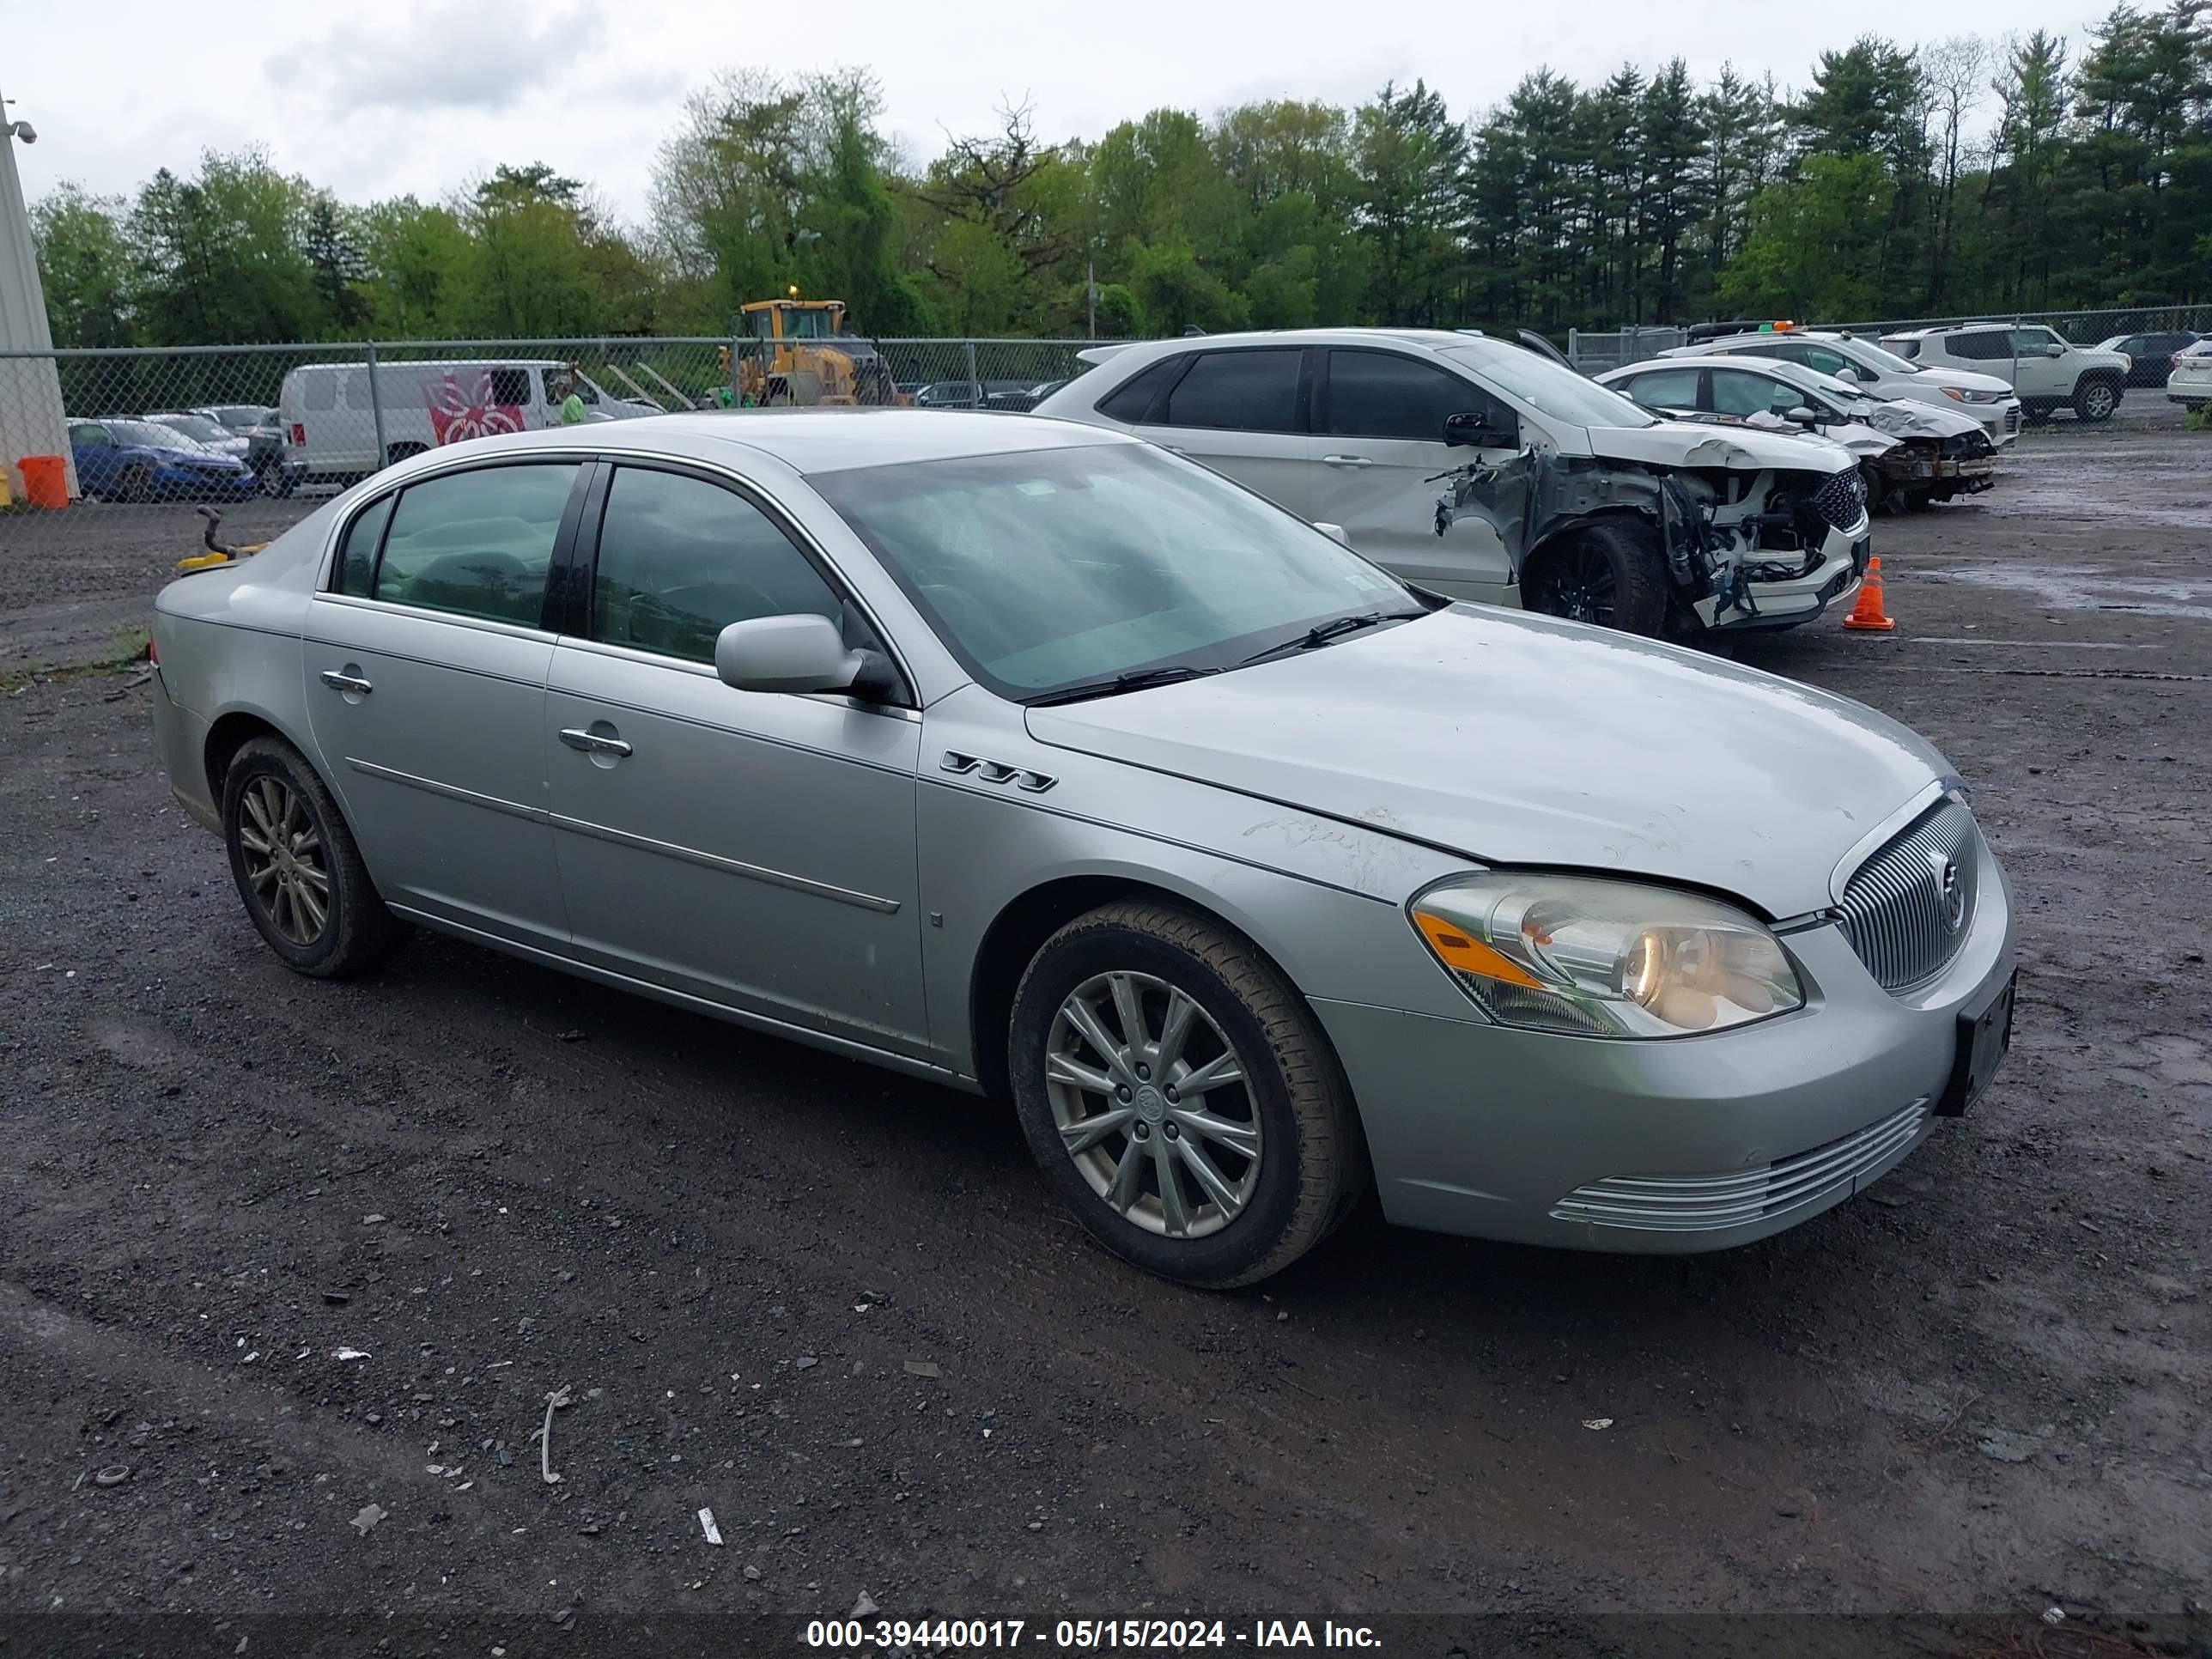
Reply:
x=838, y=1308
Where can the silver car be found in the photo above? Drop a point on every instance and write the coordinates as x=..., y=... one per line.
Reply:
x=1021, y=755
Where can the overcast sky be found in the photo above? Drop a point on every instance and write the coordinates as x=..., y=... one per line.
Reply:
x=424, y=96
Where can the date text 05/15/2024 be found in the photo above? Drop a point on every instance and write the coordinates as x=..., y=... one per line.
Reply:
x=1085, y=1635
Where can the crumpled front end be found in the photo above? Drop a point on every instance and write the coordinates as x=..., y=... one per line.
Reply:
x=1746, y=544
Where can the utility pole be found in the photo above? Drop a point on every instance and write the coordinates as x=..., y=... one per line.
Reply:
x=31, y=420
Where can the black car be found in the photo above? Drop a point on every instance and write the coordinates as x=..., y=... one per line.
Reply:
x=2151, y=353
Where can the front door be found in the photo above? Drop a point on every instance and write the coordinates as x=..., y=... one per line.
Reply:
x=752, y=849
x=1379, y=420
x=1240, y=410
x=425, y=662
x=2040, y=375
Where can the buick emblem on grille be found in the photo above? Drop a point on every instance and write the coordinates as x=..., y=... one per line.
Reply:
x=1952, y=891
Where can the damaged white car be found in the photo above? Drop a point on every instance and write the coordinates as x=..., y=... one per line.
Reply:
x=1909, y=454
x=1483, y=471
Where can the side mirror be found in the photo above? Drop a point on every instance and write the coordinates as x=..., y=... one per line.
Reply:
x=1477, y=432
x=2054, y=349
x=1335, y=532
x=798, y=653
x=1803, y=415
x=1862, y=410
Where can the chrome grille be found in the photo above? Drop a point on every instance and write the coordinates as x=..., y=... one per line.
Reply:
x=1707, y=1203
x=1908, y=908
x=1842, y=499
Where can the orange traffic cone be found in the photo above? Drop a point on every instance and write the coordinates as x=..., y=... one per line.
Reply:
x=1867, y=612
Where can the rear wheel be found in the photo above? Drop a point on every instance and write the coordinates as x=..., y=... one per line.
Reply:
x=1180, y=1098
x=296, y=866
x=2096, y=400
x=1608, y=573
x=137, y=483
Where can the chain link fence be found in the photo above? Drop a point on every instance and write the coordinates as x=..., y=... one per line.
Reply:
x=138, y=439
x=1596, y=350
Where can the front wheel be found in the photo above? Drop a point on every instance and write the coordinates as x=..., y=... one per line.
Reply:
x=2096, y=401
x=296, y=866
x=1180, y=1098
x=1608, y=573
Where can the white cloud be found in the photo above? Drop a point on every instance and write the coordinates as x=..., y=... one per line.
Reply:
x=480, y=55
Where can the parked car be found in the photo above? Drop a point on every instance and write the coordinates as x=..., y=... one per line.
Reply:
x=2049, y=372
x=1560, y=492
x=1016, y=754
x=2189, y=380
x=331, y=413
x=968, y=394
x=1027, y=398
x=2150, y=356
x=1909, y=453
x=207, y=432
x=1876, y=372
x=138, y=460
x=262, y=429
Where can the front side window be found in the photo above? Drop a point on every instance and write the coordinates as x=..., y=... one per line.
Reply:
x=1054, y=568
x=88, y=433
x=680, y=559
x=476, y=543
x=1736, y=392
x=1551, y=390
x=2033, y=341
x=1670, y=388
x=1239, y=391
x=1380, y=394
x=1826, y=359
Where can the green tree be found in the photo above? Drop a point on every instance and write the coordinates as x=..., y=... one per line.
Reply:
x=84, y=266
x=1813, y=246
x=1410, y=159
x=221, y=257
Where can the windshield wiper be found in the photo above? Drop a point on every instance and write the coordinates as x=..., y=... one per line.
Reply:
x=1322, y=633
x=1134, y=679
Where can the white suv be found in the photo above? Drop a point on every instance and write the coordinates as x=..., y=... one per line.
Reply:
x=1483, y=471
x=1883, y=375
x=2048, y=371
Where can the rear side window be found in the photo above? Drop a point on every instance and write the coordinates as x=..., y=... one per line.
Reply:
x=1239, y=391
x=1133, y=400
x=1672, y=388
x=1987, y=345
x=476, y=543
x=358, y=553
x=680, y=559
x=1380, y=394
x=1903, y=348
x=511, y=386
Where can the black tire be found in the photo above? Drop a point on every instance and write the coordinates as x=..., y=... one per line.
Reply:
x=1311, y=1165
x=1880, y=496
x=355, y=931
x=2097, y=400
x=137, y=483
x=1610, y=574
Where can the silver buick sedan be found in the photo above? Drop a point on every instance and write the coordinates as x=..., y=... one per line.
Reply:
x=1025, y=757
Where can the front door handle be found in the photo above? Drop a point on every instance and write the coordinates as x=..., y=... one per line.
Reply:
x=338, y=680
x=1346, y=460
x=592, y=742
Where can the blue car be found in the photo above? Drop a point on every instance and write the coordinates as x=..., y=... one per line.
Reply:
x=142, y=461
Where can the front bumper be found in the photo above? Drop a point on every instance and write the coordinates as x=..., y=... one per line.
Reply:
x=1834, y=581
x=1693, y=1144
x=2001, y=420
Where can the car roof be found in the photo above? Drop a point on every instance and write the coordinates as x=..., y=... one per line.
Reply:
x=1780, y=368
x=831, y=438
x=1468, y=343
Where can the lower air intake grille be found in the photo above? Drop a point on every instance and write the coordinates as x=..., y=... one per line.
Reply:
x=1710, y=1203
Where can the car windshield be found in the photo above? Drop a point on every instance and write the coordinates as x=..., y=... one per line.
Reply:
x=1050, y=569
x=242, y=416
x=1842, y=392
x=153, y=434
x=193, y=426
x=1542, y=384
x=1878, y=358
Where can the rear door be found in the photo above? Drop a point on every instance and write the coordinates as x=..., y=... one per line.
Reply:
x=1378, y=417
x=425, y=659
x=1242, y=410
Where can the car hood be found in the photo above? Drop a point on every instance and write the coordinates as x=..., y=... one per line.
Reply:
x=1521, y=740
x=168, y=457
x=1740, y=448
x=1935, y=378
x=1908, y=417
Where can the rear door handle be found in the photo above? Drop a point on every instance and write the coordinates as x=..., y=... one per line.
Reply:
x=1346, y=460
x=339, y=680
x=592, y=742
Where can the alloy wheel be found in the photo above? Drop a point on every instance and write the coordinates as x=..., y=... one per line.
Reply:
x=1153, y=1105
x=1580, y=586
x=2097, y=402
x=283, y=856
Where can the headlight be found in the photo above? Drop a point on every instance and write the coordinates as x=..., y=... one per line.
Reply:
x=1953, y=394
x=1604, y=958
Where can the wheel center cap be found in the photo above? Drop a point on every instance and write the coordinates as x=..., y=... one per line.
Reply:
x=1151, y=1106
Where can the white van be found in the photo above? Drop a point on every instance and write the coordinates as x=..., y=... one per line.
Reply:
x=334, y=428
